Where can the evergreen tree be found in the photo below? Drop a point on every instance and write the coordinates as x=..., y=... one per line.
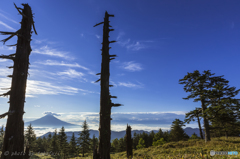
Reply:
x=1, y=137
x=190, y=116
x=194, y=136
x=198, y=85
x=224, y=111
x=115, y=145
x=122, y=144
x=73, y=146
x=136, y=138
x=158, y=135
x=49, y=140
x=151, y=137
x=159, y=142
x=39, y=145
x=55, y=143
x=30, y=136
x=141, y=144
x=177, y=133
x=84, y=139
x=63, y=144
x=45, y=144
x=166, y=136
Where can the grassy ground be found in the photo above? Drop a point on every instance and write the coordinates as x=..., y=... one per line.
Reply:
x=194, y=149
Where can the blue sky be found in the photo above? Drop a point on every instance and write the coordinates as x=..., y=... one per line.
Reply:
x=158, y=43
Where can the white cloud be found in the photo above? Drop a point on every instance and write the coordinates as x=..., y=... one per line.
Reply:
x=51, y=113
x=7, y=26
x=37, y=106
x=8, y=18
x=131, y=66
x=56, y=63
x=45, y=50
x=71, y=73
x=98, y=36
x=135, y=46
x=129, y=84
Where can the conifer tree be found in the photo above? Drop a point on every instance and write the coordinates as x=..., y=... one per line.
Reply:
x=190, y=116
x=158, y=135
x=141, y=144
x=177, y=133
x=151, y=137
x=31, y=138
x=63, y=144
x=198, y=85
x=2, y=132
x=73, y=146
x=45, y=144
x=194, y=136
x=122, y=144
x=136, y=138
x=49, y=140
x=55, y=143
x=84, y=139
x=115, y=145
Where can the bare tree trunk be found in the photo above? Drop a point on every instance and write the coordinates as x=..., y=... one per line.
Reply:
x=206, y=123
x=105, y=101
x=14, y=136
x=200, y=128
x=129, y=142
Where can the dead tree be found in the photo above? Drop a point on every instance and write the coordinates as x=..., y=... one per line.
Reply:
x=105, y=97
x=13, y=145
x=129, y=142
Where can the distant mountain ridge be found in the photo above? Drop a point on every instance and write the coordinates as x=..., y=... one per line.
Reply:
x=119, y=134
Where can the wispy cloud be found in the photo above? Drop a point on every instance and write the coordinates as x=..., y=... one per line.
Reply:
x=71, y=73
x=135, y=46
x=7, y=26
x=45, y=50
x=132, y=66
x=98, y=36
x=37, y=106
x=130, y=85
x=56, y=63
x=131, y=45
x=2, y=15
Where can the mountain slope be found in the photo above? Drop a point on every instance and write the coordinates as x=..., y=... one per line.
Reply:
x=49, y=121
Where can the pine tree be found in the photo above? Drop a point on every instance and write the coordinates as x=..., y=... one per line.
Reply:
x=115, y=145
x=190, y=116
x=45, y=144
x=55, y=143
x=158, y=135
x=84, y=139
x=122, y=144
x=73, y=146
x=31, y=138
x=63, y=144
x=194, y=136
x=49, y=140
x=198, y=85
x=136, y=138
x=2, y=132
x=177, y=133
x=141, y=144
x=151, y=137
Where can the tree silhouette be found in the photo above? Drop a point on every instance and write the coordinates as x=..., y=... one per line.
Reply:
x=14, y=134
x=84, y=139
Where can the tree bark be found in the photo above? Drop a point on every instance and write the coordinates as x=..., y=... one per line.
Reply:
x=105, y=103
x=200, y=128
x=206, y=123
x=14, y=137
